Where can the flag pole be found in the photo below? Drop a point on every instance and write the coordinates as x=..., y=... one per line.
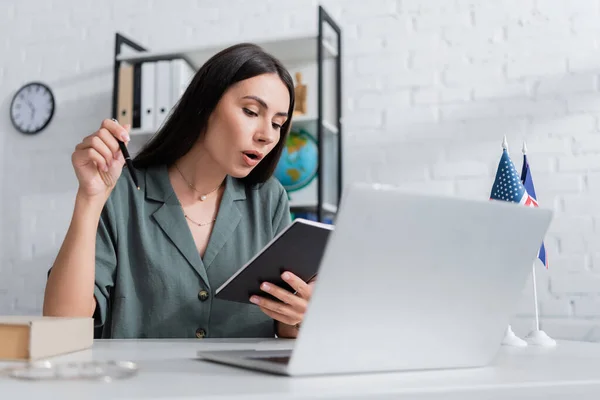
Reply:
x=510, y=339
x=535, y=300
x=537, y=337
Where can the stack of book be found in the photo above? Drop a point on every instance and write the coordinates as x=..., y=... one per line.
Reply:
x=30, y=338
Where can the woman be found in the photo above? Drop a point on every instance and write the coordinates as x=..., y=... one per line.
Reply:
x=145, y=263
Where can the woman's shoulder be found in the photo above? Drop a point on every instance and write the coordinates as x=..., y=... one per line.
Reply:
x=125, y=187
x=270, y=199
x=125, y=194
x=271, y=190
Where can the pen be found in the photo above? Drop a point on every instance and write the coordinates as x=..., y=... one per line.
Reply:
x=128, y=160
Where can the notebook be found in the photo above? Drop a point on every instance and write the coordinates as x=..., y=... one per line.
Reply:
x=298, y=248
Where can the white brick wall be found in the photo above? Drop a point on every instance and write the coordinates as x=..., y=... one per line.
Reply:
x=430, y=89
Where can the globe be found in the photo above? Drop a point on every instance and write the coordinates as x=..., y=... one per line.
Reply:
x=297, y=166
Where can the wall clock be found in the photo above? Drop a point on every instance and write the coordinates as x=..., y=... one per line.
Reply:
x=32, y=108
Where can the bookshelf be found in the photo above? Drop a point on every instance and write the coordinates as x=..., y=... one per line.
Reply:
x=319, y=60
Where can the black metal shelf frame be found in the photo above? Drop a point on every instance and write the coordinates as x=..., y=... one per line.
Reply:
x=325, y=18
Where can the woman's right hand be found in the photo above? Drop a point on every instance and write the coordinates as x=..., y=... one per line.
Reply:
x=98, y=160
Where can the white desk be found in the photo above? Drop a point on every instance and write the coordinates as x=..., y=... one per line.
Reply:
x=169, y=370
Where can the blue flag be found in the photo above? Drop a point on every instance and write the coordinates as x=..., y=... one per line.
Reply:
x=528, y=184
x=508, y=185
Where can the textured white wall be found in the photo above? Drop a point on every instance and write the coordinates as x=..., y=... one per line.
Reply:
x=430, y=89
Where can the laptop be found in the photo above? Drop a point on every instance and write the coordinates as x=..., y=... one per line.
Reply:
x=409, y=282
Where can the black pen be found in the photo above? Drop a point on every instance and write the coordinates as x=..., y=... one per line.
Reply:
x=127, y=160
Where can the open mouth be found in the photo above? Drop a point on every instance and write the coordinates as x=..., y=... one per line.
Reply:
x=253, y=155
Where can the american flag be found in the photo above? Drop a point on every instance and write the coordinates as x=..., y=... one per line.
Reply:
x=528, y=184
x=508, y=186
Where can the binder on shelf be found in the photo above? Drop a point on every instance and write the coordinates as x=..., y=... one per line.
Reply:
x=149, y=89
x=181, y=75
x=162, y=92
x=148, y=96
x=137, y=91
x=125, y=95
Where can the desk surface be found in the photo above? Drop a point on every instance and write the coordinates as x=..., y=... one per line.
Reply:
x=169, y=369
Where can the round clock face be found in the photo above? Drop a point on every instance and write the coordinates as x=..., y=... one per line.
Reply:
x=32, y=108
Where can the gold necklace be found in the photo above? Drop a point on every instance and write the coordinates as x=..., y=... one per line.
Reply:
x=199, y=223
x=204, y=196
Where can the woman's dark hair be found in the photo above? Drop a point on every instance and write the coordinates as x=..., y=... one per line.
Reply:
x=189, y=118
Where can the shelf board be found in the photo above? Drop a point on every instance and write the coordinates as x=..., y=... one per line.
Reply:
x=310, y=124
x=300, y=122
x=140, y=132
x=312, y=207
x=287, y=50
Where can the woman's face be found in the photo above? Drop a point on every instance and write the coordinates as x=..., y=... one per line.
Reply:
x=246, y=123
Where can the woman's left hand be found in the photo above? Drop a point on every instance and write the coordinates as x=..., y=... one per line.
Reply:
x=290, y=310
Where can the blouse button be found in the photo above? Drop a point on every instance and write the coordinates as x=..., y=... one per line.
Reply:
x=203, y=295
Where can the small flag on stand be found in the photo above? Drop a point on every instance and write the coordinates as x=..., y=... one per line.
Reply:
x=507, y=185
x=528, y=184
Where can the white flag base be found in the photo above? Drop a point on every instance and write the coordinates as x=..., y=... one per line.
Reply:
x=510, y=339
x=540, y=338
